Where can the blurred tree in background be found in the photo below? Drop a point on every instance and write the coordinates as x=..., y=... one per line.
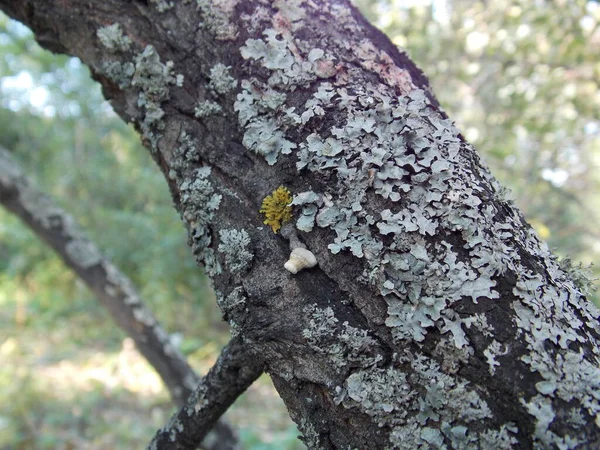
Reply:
x=520, y=78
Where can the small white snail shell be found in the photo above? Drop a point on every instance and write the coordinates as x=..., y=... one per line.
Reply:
x=300, y=258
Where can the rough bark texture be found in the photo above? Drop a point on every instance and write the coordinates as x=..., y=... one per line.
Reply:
x=435, y=318
x=116, y=293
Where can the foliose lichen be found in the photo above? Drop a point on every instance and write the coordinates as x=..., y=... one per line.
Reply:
x=310, y=437
x=258, y=106
x=185, y=156
x=207, y=108
x=153, y=78
x=221, y=82
x=494, y=350
x=346, y=345
x=162, y=5
x=234, y=301
x=120, y=73
x=235, y=246
x=199, y=202
x=198, y=199
x=310, y=202
x=216, y=18
x=113, y=39
x=423, y=406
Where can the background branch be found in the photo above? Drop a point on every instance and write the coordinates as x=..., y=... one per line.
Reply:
x=111, y=287
x=235, y=370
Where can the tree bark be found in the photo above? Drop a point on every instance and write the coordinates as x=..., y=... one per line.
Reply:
x=435, y=317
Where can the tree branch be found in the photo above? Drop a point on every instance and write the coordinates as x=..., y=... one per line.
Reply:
x=235, y=370
x=111, y=287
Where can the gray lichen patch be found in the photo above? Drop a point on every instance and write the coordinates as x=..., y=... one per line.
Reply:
x=541, y=408
x=309, y=202
x=422, y=406
x=322, y=323
x=292, y=10
x=352, y=346
x=221, y=82
x=272, y=52
x=199, y=202
x=263, y=137
x=235, y=245
x=198, y=401
x=494, y=350
x=120, y=73
x=153, y=78
x=255, y=111
x=185, y=157
x=581, y=275
x=379, y=393
x=113, y=39
x=235, y=301
x=452, y=358
x=83, y=252
x=207, y=108
x=566, y=374
x=310, y=437
x=254, y=101
x=289, y=67
x=216, y=17
x=162, y=5
x=145, y=72
x=152, y=75
x=259, y=105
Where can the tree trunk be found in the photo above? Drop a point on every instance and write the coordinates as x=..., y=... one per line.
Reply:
x=435, y=317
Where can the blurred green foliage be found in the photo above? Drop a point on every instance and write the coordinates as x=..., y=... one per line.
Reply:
x=520, y=78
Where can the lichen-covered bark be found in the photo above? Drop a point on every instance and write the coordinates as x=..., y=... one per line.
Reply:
x=435, y=318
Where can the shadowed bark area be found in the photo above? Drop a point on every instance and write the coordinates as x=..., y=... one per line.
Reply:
x=116, y=293
x=435, y=317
